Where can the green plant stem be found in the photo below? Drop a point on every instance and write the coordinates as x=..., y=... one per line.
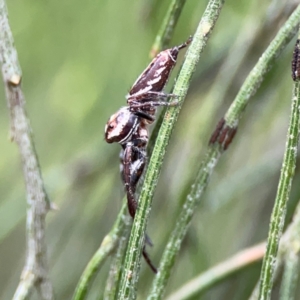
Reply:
x=238, y=54
x=289, y=249
x=216, y=274
x=113, y=280
x=162, y=41
x=232, y=116
x=283, y=192
x=264, y=64
x=132, y=261
x=289, y=246
x=107, y=246
x=181, y=226
x=290, y=276
x=167, y=28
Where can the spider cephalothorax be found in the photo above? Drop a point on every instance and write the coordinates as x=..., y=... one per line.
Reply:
x=128, y=126
x=121, y=126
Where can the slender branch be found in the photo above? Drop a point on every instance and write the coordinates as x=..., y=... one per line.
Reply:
x=289, y=249
x=221, y=271
x=162, y=41
x=237, y=55
x=220, y=140
x=114, y=276
x=107, y=246
x=264, y=64
x=290, y=276
x=167, y=27
x=35, y=271
x=181, y=226
x=289, y=245
x=132, y=261
x=283, y=192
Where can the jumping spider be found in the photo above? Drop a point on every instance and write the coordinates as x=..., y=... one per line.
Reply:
x=129, y=125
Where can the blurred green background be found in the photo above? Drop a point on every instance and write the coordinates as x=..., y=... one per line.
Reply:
x=79, y=59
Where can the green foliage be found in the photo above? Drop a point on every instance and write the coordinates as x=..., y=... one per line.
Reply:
x=79, y=58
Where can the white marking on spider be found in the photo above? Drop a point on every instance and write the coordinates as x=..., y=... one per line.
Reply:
x=159, y=71
x=140, y=92
x=153, y=81
x=169, y=53
x=163, y=62
x=130, y=133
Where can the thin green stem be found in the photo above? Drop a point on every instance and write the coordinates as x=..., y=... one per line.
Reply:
x=162, y=41
x=221, y=271
x=290, y=277
x=107, y=246
x=289, y=249
x=116, y=266
x=264, y=64
x=283, y=192
x=132, y=261
x=181, y=227
x=289, y=246
x=167, y=28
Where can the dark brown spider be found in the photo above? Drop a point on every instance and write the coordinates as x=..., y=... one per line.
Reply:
x=129, y=125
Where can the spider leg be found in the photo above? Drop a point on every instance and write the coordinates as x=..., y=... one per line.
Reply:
x=134, y=161
x=131, y=169
x=121, y=156
x=144, y=115
x=151, y=99
x=189, y=40
x=156, y=95
x=148, y=260
x=149, y=104
x=127, y=162
x=137, y=168
x=150, y=96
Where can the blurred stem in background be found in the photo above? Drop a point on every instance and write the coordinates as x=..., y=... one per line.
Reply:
x=107, y=246
x=166, y=30
x=289, y=249
x=35, y=271
x=288, y=255
x=219, y=273
x=115, y=269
